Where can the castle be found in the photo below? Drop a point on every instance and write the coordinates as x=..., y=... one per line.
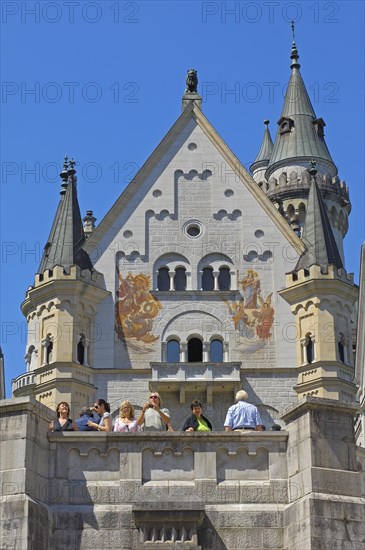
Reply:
x=200, y=280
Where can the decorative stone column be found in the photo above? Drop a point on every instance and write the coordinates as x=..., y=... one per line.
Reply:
x=183, y=352
x=225, y=352
x=206, y=350
x=172, y=275
x=164, y=352
x=200, y=280
x=216, y=283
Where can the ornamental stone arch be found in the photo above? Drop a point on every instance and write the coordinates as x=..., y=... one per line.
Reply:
x=170, y=263
x=183, y=251
x=214, y=261
x=207, y=309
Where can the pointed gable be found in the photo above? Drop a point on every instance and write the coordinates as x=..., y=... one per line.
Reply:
x=190, y=118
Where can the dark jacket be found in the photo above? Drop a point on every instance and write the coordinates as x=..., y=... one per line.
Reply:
x=67, y=427
x=192, y=422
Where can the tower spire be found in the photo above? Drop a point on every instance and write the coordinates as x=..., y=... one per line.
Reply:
x=64, y=245
x=322, y=249
x=262, y=160
x=294, y=50
x=300, y=134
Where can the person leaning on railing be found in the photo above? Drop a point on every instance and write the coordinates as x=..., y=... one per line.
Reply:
x=126, y=422
x=63, y=422
x=152, y=417
x=242, y=416
x=197, y=422
x=103, y=410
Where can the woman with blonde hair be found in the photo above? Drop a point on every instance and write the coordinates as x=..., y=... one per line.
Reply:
x=126, y=422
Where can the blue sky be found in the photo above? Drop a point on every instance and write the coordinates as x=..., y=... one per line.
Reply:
x=102, y=82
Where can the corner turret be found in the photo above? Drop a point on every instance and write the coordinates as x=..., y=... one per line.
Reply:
x=60, y=309
x=322, y=296
x=259, y=166
x=299, y=140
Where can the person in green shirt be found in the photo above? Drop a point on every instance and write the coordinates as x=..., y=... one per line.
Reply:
x=197, y=422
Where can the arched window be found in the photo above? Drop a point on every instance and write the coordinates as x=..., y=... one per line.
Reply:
x=163, y=279
x=49, y=350
x=216, y=351
x=28, y=356
x=81, y=350
x=173, y=351
x=309, y=348
x=207, y=279
x=224, y=278
x=195, y=350
x=341, y=352
x=180, y=278
x=342, y=348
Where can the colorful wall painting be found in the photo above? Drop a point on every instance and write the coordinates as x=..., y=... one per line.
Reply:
x=252, y=314
x=135, y=310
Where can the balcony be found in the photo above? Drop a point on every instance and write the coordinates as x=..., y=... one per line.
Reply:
x=23, y=384
x=185, y=377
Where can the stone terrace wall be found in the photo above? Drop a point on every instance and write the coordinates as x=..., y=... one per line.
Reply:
x=298, y=489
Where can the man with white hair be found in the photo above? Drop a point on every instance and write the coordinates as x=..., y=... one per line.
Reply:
x=242, y=416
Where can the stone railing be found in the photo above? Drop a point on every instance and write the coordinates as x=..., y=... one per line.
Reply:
x=132, y=468
x=23, y=384
x=209, y=377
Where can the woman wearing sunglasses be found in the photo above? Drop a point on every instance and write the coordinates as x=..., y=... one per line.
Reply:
x=152, y=417
x=103, y=410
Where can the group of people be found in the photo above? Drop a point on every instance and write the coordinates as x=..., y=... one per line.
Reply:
x=240, y=417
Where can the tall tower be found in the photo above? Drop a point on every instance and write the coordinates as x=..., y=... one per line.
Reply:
x=60, y=308
x=282, y=172
x=322, y=296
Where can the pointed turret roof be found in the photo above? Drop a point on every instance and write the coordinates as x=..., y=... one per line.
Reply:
x=67, y=236
x=264, y=154
x=318, y=237
x=300, y=134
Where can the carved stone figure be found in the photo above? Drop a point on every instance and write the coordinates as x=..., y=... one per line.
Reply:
x=192, y=82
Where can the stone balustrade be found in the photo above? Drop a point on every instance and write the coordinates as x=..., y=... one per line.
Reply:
x=24, y=381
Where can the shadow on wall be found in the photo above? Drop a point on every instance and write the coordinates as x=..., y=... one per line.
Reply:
x=269, y=415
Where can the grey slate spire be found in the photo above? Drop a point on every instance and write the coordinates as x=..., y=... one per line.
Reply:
x=67, y=236
x=263, y=157
x=300, y=134
x=317, y=234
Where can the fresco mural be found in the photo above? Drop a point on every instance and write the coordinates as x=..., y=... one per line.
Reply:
x=252, y=315
x=135, y=310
